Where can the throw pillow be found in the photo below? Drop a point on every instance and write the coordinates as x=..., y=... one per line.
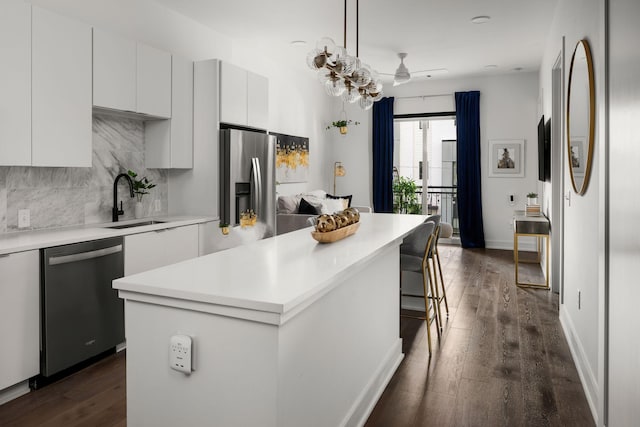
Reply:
x=307, y=208
x=330, y=206
x=287, y=204
x=318, y=194
x=347, y=198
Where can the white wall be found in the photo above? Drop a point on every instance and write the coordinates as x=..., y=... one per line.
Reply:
x=354, y=151
x=584, y=217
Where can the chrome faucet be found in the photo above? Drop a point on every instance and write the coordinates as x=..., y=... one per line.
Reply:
x=117, y=212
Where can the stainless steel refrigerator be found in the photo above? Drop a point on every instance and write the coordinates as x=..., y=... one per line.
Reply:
x=247, y=179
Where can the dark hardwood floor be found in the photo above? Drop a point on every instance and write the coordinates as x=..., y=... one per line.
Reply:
x=502, y=360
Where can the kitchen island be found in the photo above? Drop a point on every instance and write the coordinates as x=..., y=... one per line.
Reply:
x=286, y=331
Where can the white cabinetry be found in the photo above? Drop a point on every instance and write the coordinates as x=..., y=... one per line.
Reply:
x=130, y=76
x=233, y=94
x=257, y=101
x=61, y=91
x=153, y=85
x=154, y=249
x=15, y=83
x=244, y=97
x=114, y=71
x=169, y=143
x=19, y=317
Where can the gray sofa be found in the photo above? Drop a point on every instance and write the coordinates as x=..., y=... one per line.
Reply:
x=289, y=219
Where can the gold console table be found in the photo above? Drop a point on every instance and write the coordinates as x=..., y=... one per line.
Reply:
x=531, y=226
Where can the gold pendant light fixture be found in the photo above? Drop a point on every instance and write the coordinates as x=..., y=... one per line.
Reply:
x=345, y=75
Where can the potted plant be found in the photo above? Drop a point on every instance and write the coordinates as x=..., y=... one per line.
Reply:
x=342, y=125
x=140, y=188
x=532, y=198
x=405, y=197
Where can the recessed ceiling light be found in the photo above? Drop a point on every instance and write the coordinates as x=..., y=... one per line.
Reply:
x=518, y=69
x=298, y=43
x=490, y=66
x=480, y=19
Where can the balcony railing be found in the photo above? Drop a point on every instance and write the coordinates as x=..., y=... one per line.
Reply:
x=443, y=201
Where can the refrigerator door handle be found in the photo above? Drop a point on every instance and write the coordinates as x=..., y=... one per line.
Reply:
x=256, y=185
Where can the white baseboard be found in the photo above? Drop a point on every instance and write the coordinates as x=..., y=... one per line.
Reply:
x=14, y=392
x=585, y=372
x=366, y=401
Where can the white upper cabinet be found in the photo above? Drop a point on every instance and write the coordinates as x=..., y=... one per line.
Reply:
x=258, y=101
x=114, y=71
x=169, y=143
x=233, y=94
x=244, y=97
x=61, y=91
x=130, y=76
x=153, y=81
x=15, y=83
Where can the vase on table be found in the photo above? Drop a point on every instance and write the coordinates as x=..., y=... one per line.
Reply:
x=139, y=210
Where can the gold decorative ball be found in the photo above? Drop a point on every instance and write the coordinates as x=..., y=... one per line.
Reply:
x=342, y=220
x=351, y=215
x=356, y=214
x=326, y=223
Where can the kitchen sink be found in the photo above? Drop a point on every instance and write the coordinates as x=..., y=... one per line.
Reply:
x=136, y=224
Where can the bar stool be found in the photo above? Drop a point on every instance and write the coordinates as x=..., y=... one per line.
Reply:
x=434, y=257
x=414, y=256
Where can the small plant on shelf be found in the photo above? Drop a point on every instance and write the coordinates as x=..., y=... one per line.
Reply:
x=140, y=186
x=532, y=195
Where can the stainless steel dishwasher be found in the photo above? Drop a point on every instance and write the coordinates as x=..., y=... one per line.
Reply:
x=82, y=315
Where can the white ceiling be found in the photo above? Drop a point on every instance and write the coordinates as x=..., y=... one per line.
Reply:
x=437, y=34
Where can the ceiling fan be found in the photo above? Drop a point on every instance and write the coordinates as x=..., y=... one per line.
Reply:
x=402, y=74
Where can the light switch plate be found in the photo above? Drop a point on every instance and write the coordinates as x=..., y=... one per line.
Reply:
x=180, y=353
x=24, y=218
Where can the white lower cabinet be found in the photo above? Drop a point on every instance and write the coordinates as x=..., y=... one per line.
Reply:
x=146, y=251
x=19, y=317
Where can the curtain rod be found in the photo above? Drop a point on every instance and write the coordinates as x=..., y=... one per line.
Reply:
x=423, y=96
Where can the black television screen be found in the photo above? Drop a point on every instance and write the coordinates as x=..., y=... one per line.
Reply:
x=547, y=151
x=544, y=150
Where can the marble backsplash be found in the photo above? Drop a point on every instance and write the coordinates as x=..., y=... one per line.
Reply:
x=73, y=196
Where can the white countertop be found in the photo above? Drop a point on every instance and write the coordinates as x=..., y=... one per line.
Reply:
x=21, y=241
x=275, y=275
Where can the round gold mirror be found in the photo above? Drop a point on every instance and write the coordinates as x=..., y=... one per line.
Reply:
x=581, y=110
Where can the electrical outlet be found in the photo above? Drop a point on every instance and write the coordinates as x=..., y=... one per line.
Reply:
x=158, y=205
x=180, y=352
x=24, y=218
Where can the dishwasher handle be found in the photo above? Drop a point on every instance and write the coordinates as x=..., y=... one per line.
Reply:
x=82, y=256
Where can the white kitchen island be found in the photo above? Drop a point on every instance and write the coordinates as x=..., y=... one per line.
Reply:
x=286, y=331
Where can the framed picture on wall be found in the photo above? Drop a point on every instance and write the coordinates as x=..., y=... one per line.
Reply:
x=577, y=155
x=506, y=158
x=292, y=158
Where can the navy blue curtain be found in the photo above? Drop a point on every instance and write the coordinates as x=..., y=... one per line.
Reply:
x=468, y=151
x=383, y=155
